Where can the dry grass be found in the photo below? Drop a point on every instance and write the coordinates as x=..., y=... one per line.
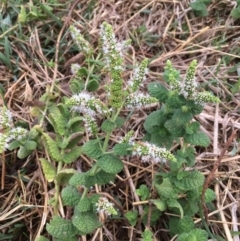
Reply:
x=172, y=32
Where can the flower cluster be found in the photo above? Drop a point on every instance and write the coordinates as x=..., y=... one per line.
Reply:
x=172, y=76
x=138, y=100
x=205, y=97
x=139, y=76
x=17, y=134
x=189, y=87
x=82, y=43
x=87, y=104
x=74, y=68
x=113, y=53
x=8, y=135
x=5, y=118
x=150, y=152
x=104, y=206
x=90, y=124
x=127, y=138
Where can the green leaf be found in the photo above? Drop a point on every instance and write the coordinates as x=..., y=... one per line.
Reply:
x=195, y=234
x=198, y=139
x=119, y=121
x=161, y=205
x=122, y=149
x=173, y=203
x=82, y=72
x=48, y=169
x=154, y=121
x=166, y=189
x=108, y=126
x=192, y=127
x=30, y=145
x=102, y=177
x=51, y=147
x=70, y=196
x=185, y=224
x=110, y=163
x=236, y=12
x=175, y=128
x=61, y=228
x=13, y=145
x=92, y=85
x=181, y=118
x=73, y=140
x=188, y=180
x=143, y=192
x=198, y=6
x=23, y=152
x=64, y=175
x=147, y=235
x=86, y=222
x=92, y=149
x=84, y=205
x=72, y=155
x=158, y=91
x=79, y=179
x=154, y=215
x=74, y=123
x=209, y=196
x=132, y=216
x=58, y=121
x=76, y=85
x=41, y=238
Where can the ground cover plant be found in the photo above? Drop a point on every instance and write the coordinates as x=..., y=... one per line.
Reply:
x=118, y=123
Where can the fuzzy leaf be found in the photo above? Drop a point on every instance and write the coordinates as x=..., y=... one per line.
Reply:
x=175, y=128
x=198, y=139
x=86, y=222
x=79, y=179
x=154, y=121
x=30, y=145
x=195, y=234
x=185, y=224
x=92, y=149
x=57, y=120
x=192, y=127
x=108, y=126
x=110, y=163
x=92, y=85
x=181, y=118
x=61, y=228
x=51, y=147
x=102, y=177
x=209, y=196
x=173, y=203
x=23, y=152
x=119, y=121
x=41, y=238
x=74, y=140
x=147, y=235
x=161, y=205
x=188, y=180
x=74, y=123
x=143, y=192
x=13, y=145
x=72, y=155
x=131, y=216
x=48, y=169
x=158, y=91
x=64, y=175
x=70, y=196
x=122, y=149
x=166, y=190
x=84, y=205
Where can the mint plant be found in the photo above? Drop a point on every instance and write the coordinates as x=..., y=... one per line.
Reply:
x=179, y=190
x=83, y=111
